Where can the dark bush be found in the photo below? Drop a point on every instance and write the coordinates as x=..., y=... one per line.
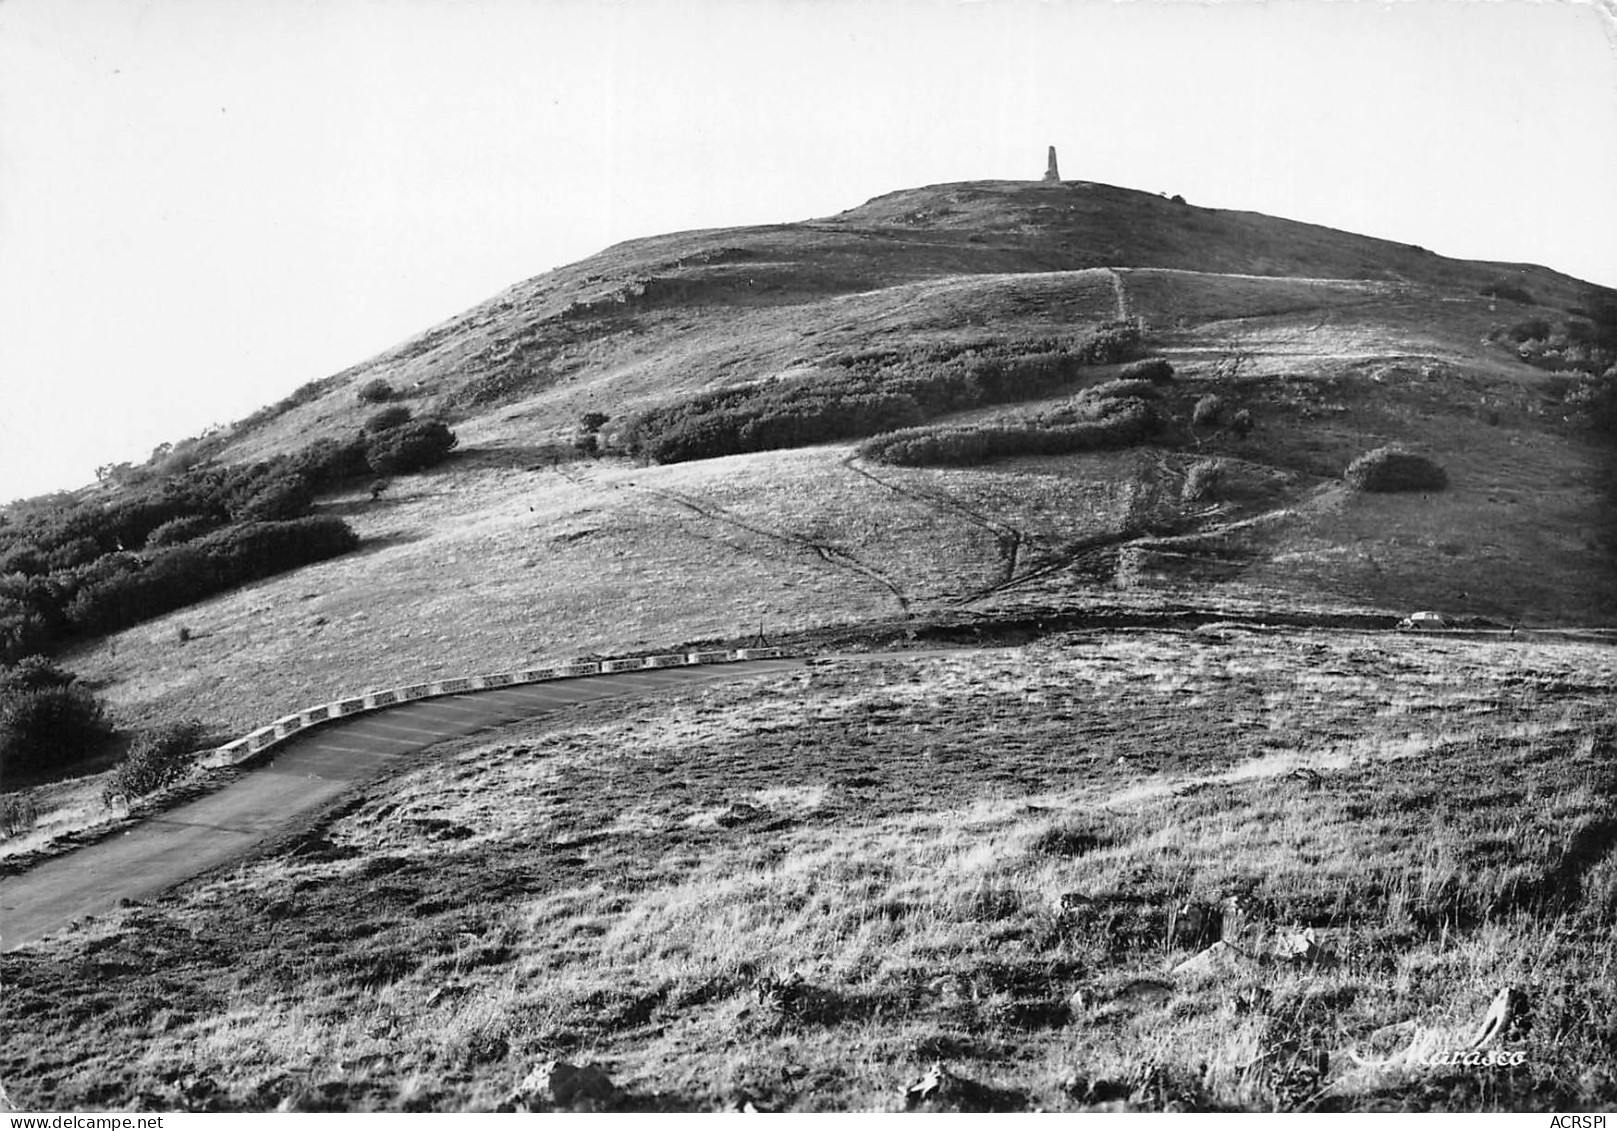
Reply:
x=1595, y=399
x=50, y=728
x=32, y=673
x=1088, y=423
x=23, y=631
x=1508, y=289
x=375, y=392
x=593, y=421
x=178, y=530
x=19, y=812
x=67, y=555
x=1393, y=469
x=1153, y=369
x=1241, y=423
x=1201, y=481
x=1530, y=329
x=413, y=447
x=328, y=462
x=23, y=557
x=157, y=758
x=1096, y=397
x=276, y=498
x=390, y=417
x=1600, y=308
x=1208, y=410
x=182, y=575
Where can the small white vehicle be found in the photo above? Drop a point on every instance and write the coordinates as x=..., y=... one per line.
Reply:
x=1422, y=622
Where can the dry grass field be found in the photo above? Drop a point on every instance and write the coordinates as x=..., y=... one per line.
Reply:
x=802, y=892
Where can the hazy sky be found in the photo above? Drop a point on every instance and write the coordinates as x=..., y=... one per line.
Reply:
x=205, y=204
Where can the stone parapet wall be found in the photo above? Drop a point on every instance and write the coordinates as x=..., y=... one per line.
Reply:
x=297, y=722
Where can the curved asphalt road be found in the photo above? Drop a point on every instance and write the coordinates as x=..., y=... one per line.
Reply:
x=303, y=775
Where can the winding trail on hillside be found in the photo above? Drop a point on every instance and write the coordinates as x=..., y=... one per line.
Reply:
x=302, y=777
x=830, y=554
x=1008, y=538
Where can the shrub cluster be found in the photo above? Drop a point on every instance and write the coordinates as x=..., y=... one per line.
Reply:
x=867, y=393
x=1202, y=480
x=1508, y=289
x=1116, y=415
x=19, y=812
x=393, y=416
x=375, y=392
x=1394, y=469
x=183, y=529
x=328, y=462
x=44, y=728
x=157, y=758
x=163, y=543
x=130, y=588
x=1153, y=369
x=1208, y=411
x=32, y=673
x=1595, y=398
x=1584, y=345
x=410, y=447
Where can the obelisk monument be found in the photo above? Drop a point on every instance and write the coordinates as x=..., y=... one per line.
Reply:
x=1051, y=173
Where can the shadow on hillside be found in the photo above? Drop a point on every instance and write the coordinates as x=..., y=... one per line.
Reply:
x=384, y=542
x=17, y=781
x=346, y=508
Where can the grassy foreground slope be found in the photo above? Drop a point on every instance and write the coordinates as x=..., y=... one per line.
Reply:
x=802, y=892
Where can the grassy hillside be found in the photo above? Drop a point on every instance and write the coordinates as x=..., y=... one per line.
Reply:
x=801, y=893
x=1328, y=344
x=498, y=556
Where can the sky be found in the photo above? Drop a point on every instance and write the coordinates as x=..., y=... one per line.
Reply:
x=204, y=205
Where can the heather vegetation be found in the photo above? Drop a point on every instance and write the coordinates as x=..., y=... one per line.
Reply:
x=1584, y=346
x=869, y=392
x=1116, y=414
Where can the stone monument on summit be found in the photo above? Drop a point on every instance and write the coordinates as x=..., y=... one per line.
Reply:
x=1051, y=173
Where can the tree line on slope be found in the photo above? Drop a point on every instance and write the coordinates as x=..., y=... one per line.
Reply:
x=75, y=567
x=867, y=392
x=1114, y=414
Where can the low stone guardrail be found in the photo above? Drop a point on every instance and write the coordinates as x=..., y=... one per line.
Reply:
x=255, y=742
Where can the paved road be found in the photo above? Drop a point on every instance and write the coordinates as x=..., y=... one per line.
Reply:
x=307, y=773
